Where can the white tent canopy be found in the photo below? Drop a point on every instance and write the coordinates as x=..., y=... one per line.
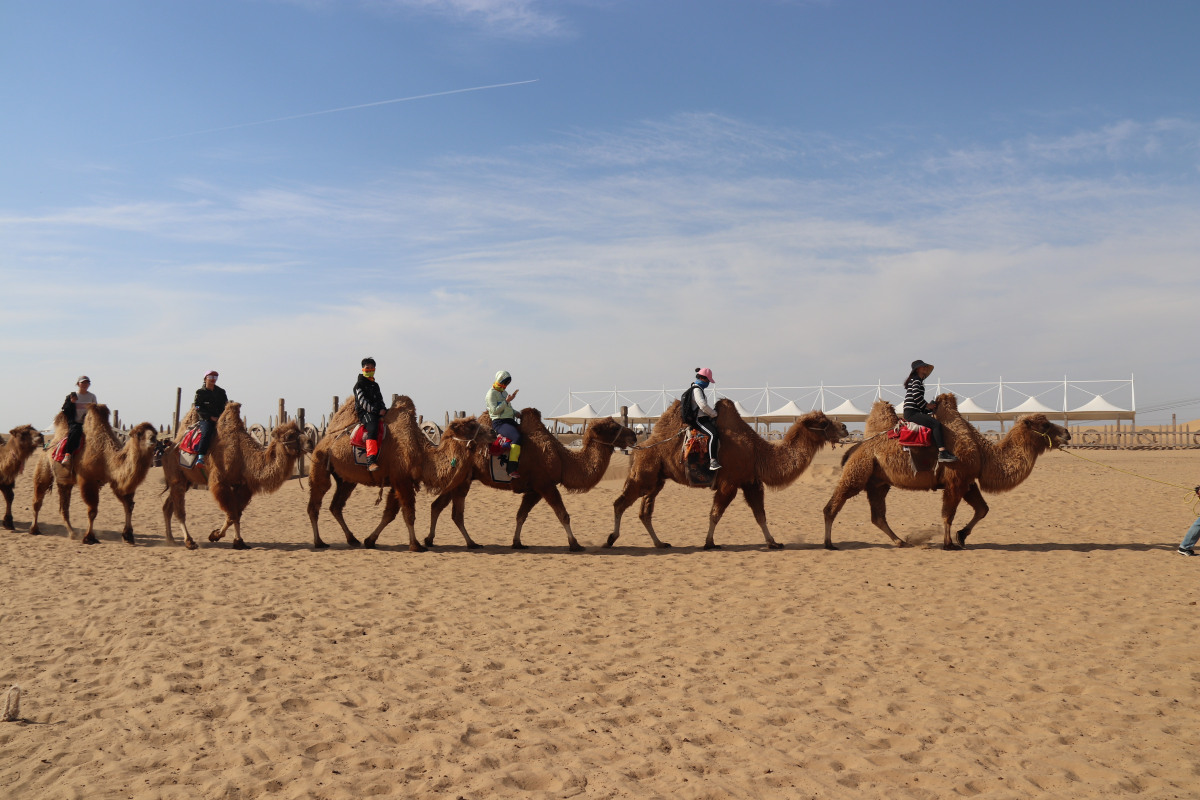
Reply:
x=789, y=412
x=847, y=412
x=637, y=414
x=1099, y=409
x=580, y=415
x=1031, y=406
x=743, y=413
x=972, y=410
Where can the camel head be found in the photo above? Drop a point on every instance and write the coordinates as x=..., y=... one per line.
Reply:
x=531, y=417
x=469, y=431
x=27, y=437
x=822, y=426
x=611, y=432
x=405, y=404
x=1046, y=432
x=291, y=438
x=143, y=435
x=947, y=400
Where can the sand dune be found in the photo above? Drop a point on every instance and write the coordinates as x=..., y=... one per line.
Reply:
x=1054, y=658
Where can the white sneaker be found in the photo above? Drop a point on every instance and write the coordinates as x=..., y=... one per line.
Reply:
x=713, y=466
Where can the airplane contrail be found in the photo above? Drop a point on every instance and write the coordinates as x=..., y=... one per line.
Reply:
x=336, y=110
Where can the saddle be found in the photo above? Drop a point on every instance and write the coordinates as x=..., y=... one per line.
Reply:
x=695, y=458
x=60, y=450
x=358, y=435
x=910, y=434
x=498, y=450
x=190, y=442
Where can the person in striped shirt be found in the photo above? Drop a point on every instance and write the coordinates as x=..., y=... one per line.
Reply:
x=918, y=411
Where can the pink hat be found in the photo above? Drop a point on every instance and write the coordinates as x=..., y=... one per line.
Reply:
x=706, y=373
x=212, y=373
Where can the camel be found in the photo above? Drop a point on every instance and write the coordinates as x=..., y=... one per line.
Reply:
x=879, y=463
x=406, y=460
x=545, y=463
x=237, y=469
x=22, y=441
x=100, y=459
x=748, y=461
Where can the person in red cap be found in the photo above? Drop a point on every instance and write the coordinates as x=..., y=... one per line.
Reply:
x=699, y=415
x=918, y=411
x=210, y=402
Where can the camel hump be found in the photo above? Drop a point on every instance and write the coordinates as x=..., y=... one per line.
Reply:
x=231, y=418
x=405, y=404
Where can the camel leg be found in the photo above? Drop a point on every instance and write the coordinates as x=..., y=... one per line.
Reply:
x=457, y=497
x=974, y=498
x=949, y=506
x=753, y=494
x=841, y=493
x=7, y=491
x=646, y=513
x=318, y=485
x=41, y=484
x=232, y=499
x=402, y=498
x=127, y=531
x=528, y=501
x=629, y=494
x=176, y=503
x=877, y=497
x=721, y=500
x=90, y=494
x=338, y=504
x=552, y=497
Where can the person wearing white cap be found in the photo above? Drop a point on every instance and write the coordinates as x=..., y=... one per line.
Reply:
x=75, y=409
x=210, y=401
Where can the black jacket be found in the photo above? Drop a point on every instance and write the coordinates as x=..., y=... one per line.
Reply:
x=210, y=403
x=367, y=397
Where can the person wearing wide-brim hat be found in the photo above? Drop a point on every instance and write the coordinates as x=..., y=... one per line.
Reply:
x=918, y=411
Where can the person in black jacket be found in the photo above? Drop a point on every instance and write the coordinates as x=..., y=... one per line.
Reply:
x=210, y=402
x=368, y=405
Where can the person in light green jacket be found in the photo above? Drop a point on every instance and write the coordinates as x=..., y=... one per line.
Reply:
x=499, y=408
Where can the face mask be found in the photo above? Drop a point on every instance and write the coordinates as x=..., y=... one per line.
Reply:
x=370, y=373
x=703, y=384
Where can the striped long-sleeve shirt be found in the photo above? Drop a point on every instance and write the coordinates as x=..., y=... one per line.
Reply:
x=914, y=395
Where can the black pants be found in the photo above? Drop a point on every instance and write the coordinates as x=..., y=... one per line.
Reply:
x=370, y=423
x=74, y=434
x=709, y=425
x=207, y=428
x=935, y=427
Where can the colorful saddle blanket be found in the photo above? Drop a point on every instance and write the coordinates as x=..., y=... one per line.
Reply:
x=910, y=434
x=60, y=450
x=500, y=445
x=191, y=440
x=696, y=444
x=357, y=436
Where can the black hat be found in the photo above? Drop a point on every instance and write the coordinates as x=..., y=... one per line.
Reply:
x=916, y=365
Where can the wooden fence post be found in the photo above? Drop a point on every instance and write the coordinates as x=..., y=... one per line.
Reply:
x=301, y=464
x=175, y=420
x=335, y=406
x=282, y=412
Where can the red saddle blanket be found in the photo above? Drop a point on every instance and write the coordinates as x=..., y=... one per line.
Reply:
x=499, y=445
x=910, y=435
x=191, y=440
x=357, y=435
x=696, y=444
x=60, y=451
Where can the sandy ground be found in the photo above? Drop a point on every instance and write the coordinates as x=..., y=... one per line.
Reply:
x=1056, y=657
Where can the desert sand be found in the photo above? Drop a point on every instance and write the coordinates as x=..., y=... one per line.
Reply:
x=1055, y=657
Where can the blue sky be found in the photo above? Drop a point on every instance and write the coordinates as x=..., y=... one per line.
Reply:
x=788, y=192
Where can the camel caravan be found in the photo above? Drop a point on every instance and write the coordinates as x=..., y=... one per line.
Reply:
x=367, y=443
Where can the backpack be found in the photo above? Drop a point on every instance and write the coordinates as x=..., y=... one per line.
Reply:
x=688, y=409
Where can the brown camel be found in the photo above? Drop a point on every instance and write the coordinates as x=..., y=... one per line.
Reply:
x=22, y=441
x=748, y=462
x=545, y=463
x=879, y=463
x=100, y=459
x=238, y=468
x=406, y=460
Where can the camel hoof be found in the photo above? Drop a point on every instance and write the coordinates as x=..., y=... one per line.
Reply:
x=962, y=538
x=951, y=547
x=35, y=531
x=7, y=525
x=663, y=545
x=774, y=546
x=417, y=547
x=519, y=546
x=429, y=541
x=238, y=544
x=612, y=539
x=369, y=544
x=319, y=545
x=575, y=547
x=128, y=537
x=191, y=545
x=902, y=543
x=352, y=541
x=216, y=536
x=711, y=546
x=829, y=546
x=474, y=546
x=90, y=539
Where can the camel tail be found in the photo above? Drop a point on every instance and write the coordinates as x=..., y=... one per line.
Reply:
x=846, y=455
